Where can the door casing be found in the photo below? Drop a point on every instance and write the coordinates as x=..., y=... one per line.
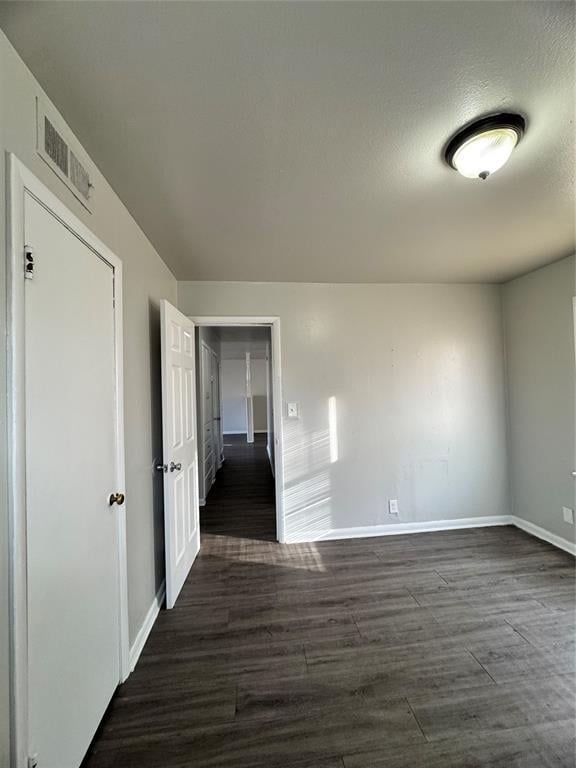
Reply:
x=20, y=179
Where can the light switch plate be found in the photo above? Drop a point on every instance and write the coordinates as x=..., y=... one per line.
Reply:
x=293, y=410
x=568, y=515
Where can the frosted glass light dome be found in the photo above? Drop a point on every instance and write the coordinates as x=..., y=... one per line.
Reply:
x=484, y=147
x=484, y=154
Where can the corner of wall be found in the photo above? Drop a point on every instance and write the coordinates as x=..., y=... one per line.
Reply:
x=507, y=414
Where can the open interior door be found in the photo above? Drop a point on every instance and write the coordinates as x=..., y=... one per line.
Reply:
x=180, y=461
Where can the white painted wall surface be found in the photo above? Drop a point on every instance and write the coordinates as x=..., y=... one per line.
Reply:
x=234, y=394
x=258, y=368
x=146, y=281
x=416, y=378
x=540, y=368
x=233, y=384
x=234, y=387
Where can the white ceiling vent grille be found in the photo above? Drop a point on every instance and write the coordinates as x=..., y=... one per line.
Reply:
x=54, y=147
x=79, y=176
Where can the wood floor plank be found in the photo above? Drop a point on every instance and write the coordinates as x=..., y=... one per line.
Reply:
x=304, y=736
x=495, y=708
x=160, y=712
x=527, y=662
x=450, y=649
x=377, y=672
x=541, y=746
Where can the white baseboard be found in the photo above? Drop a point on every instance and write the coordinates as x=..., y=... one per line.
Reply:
x=542, y=533
x=243, y=432
x=202, y=502
x=397, y=529
x=147, y=624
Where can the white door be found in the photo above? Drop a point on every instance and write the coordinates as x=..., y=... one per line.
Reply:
x=71, y=454
x=181, y=510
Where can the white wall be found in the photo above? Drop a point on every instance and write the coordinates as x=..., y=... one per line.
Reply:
x=417, y=380
x=146, y=281
x=233, y=384
x=539, y=328
x=258, y=374
x=259, y=402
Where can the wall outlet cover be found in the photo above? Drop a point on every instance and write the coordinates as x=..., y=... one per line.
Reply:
x=568, y=515
x=393, y=507
x=293, y=410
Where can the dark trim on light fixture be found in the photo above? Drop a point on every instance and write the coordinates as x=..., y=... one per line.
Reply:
x=487, y=123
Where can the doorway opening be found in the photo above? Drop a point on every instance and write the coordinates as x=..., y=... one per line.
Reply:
x=239, y=425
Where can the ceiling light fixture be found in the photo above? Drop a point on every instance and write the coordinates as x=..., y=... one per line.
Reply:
x=485, y=145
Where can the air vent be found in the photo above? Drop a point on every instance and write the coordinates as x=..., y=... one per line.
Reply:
x=79, y=176
x=54, y=145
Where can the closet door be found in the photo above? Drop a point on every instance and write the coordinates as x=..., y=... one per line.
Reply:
x=71, y=453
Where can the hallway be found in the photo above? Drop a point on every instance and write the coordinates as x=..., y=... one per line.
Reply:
x=241, y=501
x=434, y=650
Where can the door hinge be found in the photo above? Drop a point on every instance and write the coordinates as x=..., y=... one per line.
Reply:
x=29, y=256
x=33, y=761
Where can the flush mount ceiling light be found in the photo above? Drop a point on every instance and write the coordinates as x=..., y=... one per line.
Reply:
x=485, y=145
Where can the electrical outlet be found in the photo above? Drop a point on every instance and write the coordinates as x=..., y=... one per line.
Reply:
x=568, y=515
x=393, y=507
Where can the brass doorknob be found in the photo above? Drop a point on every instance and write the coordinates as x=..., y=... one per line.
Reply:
x=116, y=498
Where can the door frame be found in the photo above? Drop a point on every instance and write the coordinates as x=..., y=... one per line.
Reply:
x=273, y=322
x=19, y=181
x=249, y=400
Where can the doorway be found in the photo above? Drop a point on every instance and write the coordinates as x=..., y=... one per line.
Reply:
x=239, y=424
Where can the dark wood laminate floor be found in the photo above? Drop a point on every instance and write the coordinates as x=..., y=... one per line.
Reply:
x=437, y=650
x=241, y=501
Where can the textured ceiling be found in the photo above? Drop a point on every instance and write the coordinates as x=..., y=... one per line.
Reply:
x=301, y=141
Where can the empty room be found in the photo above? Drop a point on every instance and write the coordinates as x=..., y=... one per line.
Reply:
x=288, y=327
